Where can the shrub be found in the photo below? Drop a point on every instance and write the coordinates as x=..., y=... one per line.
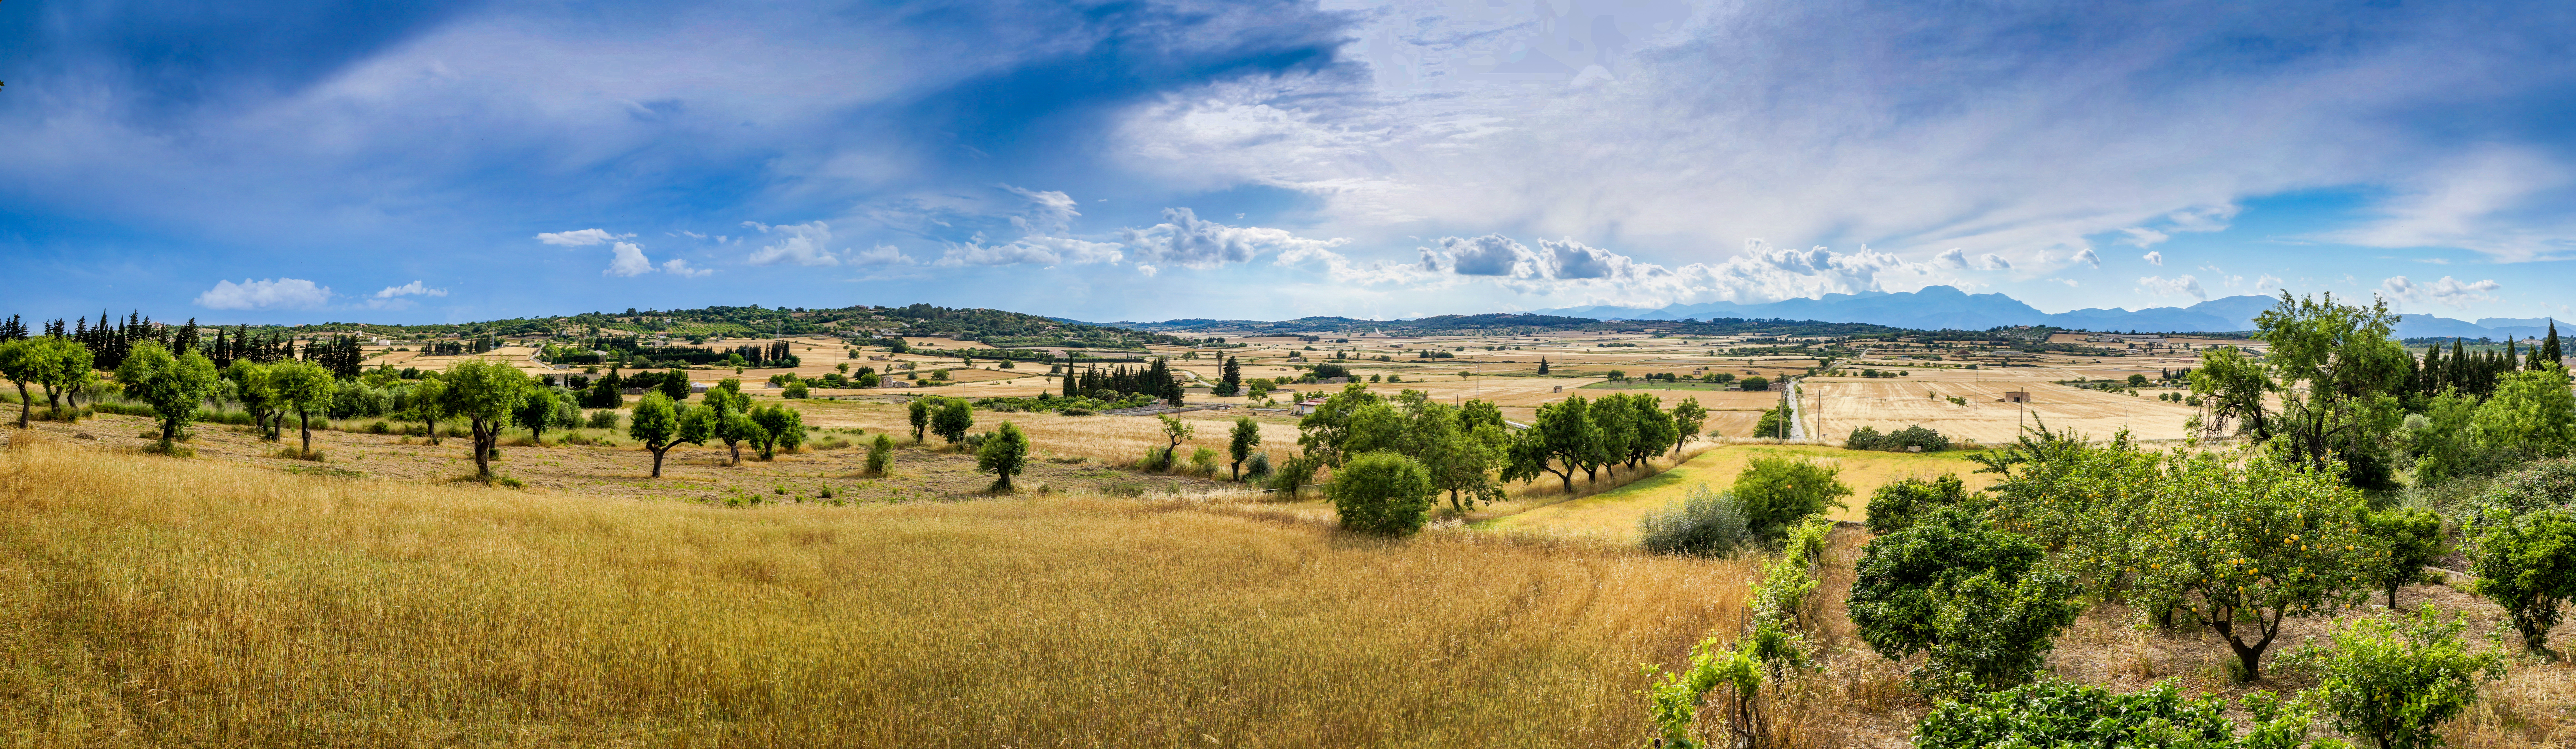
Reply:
x=2066, y=714
x=1004, y=453
x=1293, y=474
x=795, y=390
x=1203, y=461
x=602, y=419
x=2527, y=564
x=1897, y=504
x=1705, y=523
x=2404, y=542
x=1382, y=492
x=1974, y=597
x=1757, y=383
x=1775, y=493
x=880, y=455
x=1157, y=459
x=2396, y=680
x=1257, y=467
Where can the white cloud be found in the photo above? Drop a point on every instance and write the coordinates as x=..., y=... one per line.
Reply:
x=2503, y=202
x=2087, y=257
x=2183, y=285
x=580, y=238
x=884, y=254
x=1039, y=250
x=415, y=288
x=1953, y=258
x=2268, y=281
x=2448, y=291
x=1991, y=261
x=1571, y=272
x=2144, y=237
x=2154, y=258
x=251, y=294
x=678, y=267
x=805, y=244
x=1183, y=240
x=629, y=262
x=2070, y=283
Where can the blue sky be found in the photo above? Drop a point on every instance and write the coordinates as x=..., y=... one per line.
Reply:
x=423, y=162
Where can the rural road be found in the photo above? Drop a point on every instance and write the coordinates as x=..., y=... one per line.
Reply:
x=1797, y=416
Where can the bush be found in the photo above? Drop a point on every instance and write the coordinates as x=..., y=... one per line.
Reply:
x=1775, y=493
x=1293, y=474
x=1385, y=493
x=2066, y=714
x=1257, y=467
x=1867, y=438
x=602, y=420
x=1757, y=383
x=1203, y=461
x=880, y=455
x=1705, y=523
x=2527, y=565
x=1897, y=504
x=2396, y=680
x=1975, y=597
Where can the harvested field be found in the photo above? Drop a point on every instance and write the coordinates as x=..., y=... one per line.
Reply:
x=1613, y=515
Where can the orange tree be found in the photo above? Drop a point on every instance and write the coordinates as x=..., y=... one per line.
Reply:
x=2242, y=544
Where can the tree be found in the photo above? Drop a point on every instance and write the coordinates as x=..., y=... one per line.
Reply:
x=2403, y=543
x=1461, y=459
x=1004, y=453
x=954, y=418
x=1981, y=600
x=1229, y=378
x=2529, y=412
x=1542, y=366
x=919, y=411
x=605, y=393
x=1383, y=493
x=1247, y=435
x=675, y=385
x=1175, y=432
x=2242, y=547
x=2234, y=386
x=795, y=390
x=780, y=426
x=880, y=455
x=304, y=388
x=485, y=394
x=1560, y=439
x=2526, y=563
x=249, y=384
x=2071, y=714
x=1774, y=423
x=429, y=402
x=1325, y=433
x=2549, y=347
x=2396, y=680
x=728, y=417
x=1688, y=417
x=22, y=362
x=172, y=385
x=661, y=427
x=544, y=408
x=66, y=369
x=1775, y=493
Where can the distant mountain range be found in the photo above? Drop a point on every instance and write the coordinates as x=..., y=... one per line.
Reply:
x=1940, y=307
x=1933, y=308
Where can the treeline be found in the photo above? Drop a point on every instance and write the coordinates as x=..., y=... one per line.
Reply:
x=110, y=341
x=1155, y=379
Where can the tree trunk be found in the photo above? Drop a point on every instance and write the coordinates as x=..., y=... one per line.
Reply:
x=657, y=461
x=169, y=431
x=2250, y=656
x=1238, y=470
x=24, y=403
x=2392, y=597
x=304, y=423
x=483, y=450
x=736, y=447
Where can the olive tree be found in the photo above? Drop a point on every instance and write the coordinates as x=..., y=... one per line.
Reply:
x=954, y=418
x=1004, y=454
x=250, y=384
x=304, y=388
x=1688, y=417
x=1383, y=493
x=546, y=408
x=60, y=365
x=22, y=362
x=1775, y=493
x=484, y=394
x=172, y=385
x=919, y=412
x=780, y=427
x=1559, y=441
x=661, y=427
x=429, y=402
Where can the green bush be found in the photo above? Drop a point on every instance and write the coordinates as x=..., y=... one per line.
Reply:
x=1203, y=461
x=1868, y=438
x=1775, y=493
x=880, y=455
x=1256, y=467
x=2404, y=542
x=602, y=419
x=1384, y=493
x=1898, y=503
x=1294, y=473
x=2527, y=564
x=2065, y=715
x=2396, y=680
x=1976, y=598
x=1705, y=523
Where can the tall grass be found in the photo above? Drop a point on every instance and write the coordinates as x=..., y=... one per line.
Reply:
x=151, y=602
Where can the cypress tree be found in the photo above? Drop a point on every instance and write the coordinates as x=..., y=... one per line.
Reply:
x=2432, y=373
x=2549, y=346
x=2509, y=359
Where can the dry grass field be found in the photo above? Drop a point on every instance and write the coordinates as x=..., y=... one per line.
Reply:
x=1612, y=515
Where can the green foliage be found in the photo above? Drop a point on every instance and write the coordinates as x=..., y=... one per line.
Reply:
x=1688, y=418
x=1383, y=493
x=880, y=455
x=1916, y=436
x=1203, y=461
x=602, y=419
x=1294, y=474
x=1755, y=383
x=1005, y=453
x=1675, y=699
x=1775, y=493
x=779, y=427
x=483, y=393
x=2242, y=546
x=2395, y=680
x=660, y=426
x=675, y=384
x=953, y=419
x=1257, y=468
x=1982, y=602
x=2403, y=542
x=1898, y=503
x=1704, y=523
x=1774, y=423
x=305, y=388
x=1246, y=435
x=2067, y=715
x=2526, y=563
x=172, y=385
x=919, y=412
x=1560, y=440
x=795, y=390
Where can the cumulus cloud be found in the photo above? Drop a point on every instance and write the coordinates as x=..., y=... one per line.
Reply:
x=580, y=238
x=2183, y=285
x=1036, y=250
x=802, y=244
x=1991, y=261
x=2087, y=257
x=415, y=288
x=678, y=267
x=295, y=293
x=2448, y=291
x=884, y=254
x=1184, y=240
x=1953, y=258
x=629, y=261
x=2268, y=281
x=2154, y=258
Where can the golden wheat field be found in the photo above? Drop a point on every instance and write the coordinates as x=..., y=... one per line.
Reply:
x=152, y=602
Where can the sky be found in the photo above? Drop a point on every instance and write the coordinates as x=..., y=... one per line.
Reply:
x=415, y=162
